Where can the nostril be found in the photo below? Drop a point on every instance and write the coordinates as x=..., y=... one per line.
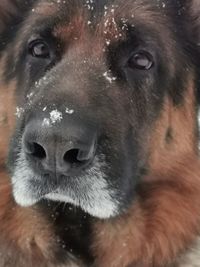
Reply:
x=37, y=151
x=71, y=156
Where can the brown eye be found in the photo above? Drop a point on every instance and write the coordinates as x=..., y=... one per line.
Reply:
x=141, y=60
x=39, y=49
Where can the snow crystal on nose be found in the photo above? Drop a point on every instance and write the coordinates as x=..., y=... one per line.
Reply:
x=69, y=111
x=55, y=116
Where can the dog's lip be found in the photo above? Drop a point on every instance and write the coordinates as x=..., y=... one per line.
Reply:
x=48, y=189
x=32, y=191
x=55, y=194
x=29, y=198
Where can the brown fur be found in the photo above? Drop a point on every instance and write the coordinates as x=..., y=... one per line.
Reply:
x=161, y=224
x=7, y=118
x=165, y=219
x=25, y=235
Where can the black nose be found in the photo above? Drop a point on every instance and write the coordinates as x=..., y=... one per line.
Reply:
x=60, y=149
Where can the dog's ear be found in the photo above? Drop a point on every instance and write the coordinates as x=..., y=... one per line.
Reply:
x=12, y=11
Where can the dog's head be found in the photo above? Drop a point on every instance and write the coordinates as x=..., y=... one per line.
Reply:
x=97, y=84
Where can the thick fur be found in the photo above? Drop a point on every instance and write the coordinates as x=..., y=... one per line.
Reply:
x=143, y=204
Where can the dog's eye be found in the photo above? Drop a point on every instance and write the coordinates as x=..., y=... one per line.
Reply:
x=141, y=60
x=39, y=49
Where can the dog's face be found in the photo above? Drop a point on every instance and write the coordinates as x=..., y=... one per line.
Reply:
x=91, y=80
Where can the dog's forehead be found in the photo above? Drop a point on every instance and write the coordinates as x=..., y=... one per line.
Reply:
x=96, y=12
x=105, y=21
x=98, y=6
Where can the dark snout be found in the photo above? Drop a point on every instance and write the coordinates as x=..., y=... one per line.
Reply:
x=62, y=147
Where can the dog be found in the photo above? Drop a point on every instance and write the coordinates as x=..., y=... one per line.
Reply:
x=99, y=133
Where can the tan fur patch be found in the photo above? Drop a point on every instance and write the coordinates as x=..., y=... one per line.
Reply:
x=7, y=114
x=182, y=122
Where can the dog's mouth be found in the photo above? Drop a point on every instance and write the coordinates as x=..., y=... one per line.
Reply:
x=90, y=191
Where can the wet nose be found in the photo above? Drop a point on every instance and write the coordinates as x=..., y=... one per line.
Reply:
x=64, y=149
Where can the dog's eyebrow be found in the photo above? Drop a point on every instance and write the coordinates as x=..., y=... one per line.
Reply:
x=44, y=24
